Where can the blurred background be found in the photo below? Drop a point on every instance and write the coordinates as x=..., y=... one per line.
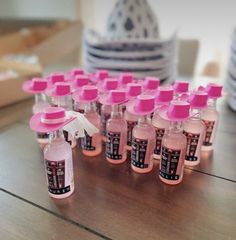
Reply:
x=52, y=31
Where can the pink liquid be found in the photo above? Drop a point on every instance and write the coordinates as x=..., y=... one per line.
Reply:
x=92, y=146
x=172, y=155
x=59, y=167
x=210, y=118
x=142, y=146
x=194, y=130
x=160, y=125
x=116, y=137
x=105, y=116
x=132, y=121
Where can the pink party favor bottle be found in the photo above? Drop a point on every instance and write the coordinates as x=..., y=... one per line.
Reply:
x=57, y=153
x=133, y=90
x=210, y=116
x=61, y=97
x=163, y=97
x=150, y=85
x=124, y=79
x=180, y=87
x=174, y=143
x=91, y=145
x=116, y=130
x=143, y=139
x=59, y=166
x=194, y=128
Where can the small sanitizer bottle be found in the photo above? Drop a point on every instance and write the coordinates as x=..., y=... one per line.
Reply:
x=57, y=153
x=194, y=128
x=143, y=139
x=162, y=99
x=210, y=116
x=116, y=130
x=174, y=143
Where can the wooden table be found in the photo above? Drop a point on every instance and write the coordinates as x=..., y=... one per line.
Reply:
x=113, y=202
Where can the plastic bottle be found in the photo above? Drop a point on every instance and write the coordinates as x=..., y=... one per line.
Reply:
x=174, y=143
x=210, y=116
x=194, y=128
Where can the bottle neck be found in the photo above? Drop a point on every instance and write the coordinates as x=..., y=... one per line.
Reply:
x=56, y=136
x=195, y=114
x=116, y=111
x=143, y=121
x=176, y=127
x=40, y=97
x=211, y=103
x=90, y=107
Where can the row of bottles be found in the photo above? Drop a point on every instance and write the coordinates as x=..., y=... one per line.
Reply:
x=165, y=123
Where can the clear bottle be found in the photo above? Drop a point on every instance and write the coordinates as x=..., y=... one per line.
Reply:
x=39, y=106
x=79, y=107
x=92, y=145
x=161, y=125
x=194, y=130
x=210, y=117
x=172, y=154
x=105, y=116
x=59, y=166
x=142, y=146
x=65, y=102
x=116, y=137
x=132, y=121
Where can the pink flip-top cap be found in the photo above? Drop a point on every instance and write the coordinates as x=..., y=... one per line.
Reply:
x=133, y=89
x=181, y=86
x=86, y=94
x=101, y=74
x=36, y=85
x=164, y=94
x=52, y=119
x=61, y=89
x=125, y=78
x=114, y=97
x=198, y=99
x=109, y=84
x=81, y=80
x=214, y=90
x=143, y=105
x=56, y=77
x=151, y=83
x=177, y=111
x=76, y=71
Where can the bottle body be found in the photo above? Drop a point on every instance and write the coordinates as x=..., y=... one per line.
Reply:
x=39, y=106
x=132, y=121
x=59, y=167
x=161, y=125
x=143, y=142
x=92, y=145
x=210, y=118
x=105, y=116
x=194, y=130
x=116, y=137
x=172, y=155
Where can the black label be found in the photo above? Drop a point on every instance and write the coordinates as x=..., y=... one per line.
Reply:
x=42, y=135
x=113, y=145
x=169, y=163
x=138, y=152
x=159, y=135
x=104, y=118
x=130, y=126
x=86, y=142
x=66, y=136
x=209, y=129
x=56, y=177
x=98, y=106
x=192, y=142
